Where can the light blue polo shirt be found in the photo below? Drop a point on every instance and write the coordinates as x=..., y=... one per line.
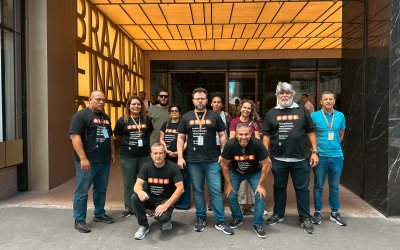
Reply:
x=326, y=147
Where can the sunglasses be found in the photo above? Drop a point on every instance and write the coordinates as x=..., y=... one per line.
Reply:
x=174, y=111
x=163, y=96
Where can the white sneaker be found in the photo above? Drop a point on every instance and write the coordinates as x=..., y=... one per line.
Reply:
x=141, y=232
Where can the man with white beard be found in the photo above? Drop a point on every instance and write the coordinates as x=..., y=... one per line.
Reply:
x=285, y=131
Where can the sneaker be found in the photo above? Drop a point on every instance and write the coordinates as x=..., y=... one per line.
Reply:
x=335, y=216
x=260, y=231
x=307, y=226
x=224, y=228
x=316, y=219
x=235, y=223
x=166, y=226
x=141, y=232
x=265, y=212
x=200, y=225
x=82, y=227
x=104, y=218
x=126, y=214
x=274, y=219
x=149, y=213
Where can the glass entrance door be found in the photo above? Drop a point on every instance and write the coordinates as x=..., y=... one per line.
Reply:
x=241, y=85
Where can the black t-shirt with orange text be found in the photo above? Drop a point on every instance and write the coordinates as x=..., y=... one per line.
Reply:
x=201, y=143
x=244, y=160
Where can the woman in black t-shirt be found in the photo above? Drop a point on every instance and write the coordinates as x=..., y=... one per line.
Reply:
x=133, y=131
x=169, y=138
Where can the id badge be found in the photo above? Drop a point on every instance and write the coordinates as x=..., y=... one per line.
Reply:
x=140, y=143
x=200, y=140
x=330, y=136
x=105, y=133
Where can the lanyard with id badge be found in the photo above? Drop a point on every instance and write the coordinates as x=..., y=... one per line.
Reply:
x=331, y=135
x=139, y=127
x=200, y=138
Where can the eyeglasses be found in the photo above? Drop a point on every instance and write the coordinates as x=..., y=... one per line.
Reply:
x=163, y=96
x=199, y=99
x=174, y=111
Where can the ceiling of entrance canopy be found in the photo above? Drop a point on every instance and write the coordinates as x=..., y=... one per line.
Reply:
x=230, y=25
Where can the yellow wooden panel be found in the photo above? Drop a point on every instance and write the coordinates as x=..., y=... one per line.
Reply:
x=288, y=11
x=323, y=43
x=176, y=44
x=333, y=11
x=136, y=13
x=209, y=31
x=253, y=44
x=283, y=30
x=207, y=13
x=249, y=30
x=174, y=31
x=160, y=44
x=282, y=43
x=99, y=1
x=150, y=31
x=270, y=43
x=14, y=152
x=335, y=45
x=336, y=17
x=207, y=44
x=269, y=11
x=260, y=29
x=191, y=44
x=115, y=13
x=221, y=13
x=135, y=31
x=198, y=13
x=184, y=30
x=270, y=30
x=198, y=31
x=217, y=31
x=227, y=31
x=177, y=13
x=312, y=11
x=310, y=42
x=239, y=44
x=295, y=29
x=246, y=12
x=306, y=31
x=224, y=44
x=238, y=30
x=134, y=1
x=163, y=31
x=153, y=13
x=115, y=1
x=320, y=29
x=294, y=43
x=332, y=29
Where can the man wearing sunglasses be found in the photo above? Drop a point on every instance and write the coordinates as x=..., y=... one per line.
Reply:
x=159, y=115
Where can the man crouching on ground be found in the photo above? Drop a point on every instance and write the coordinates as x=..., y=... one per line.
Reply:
x=164, y=187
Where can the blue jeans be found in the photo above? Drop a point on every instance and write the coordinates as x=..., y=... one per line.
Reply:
x=98, y=175
x=300, y=173
x=331, y=166
x=209, y=172
x=259, y=205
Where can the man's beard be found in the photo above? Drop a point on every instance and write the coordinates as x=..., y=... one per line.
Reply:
x=286, y=103
x=200, y=107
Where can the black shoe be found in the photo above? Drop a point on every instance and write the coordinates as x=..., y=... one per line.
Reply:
x=260, y=231
x=200, y=225
x=126, y=214
x=316, y=219
x=307, y=226
x=235, y=223
x=274, y=219
x=335, y=216
x=105, y=219
x=82, y=227
x=224, y=228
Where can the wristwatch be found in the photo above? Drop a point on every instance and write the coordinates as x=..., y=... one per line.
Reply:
x=315, y=152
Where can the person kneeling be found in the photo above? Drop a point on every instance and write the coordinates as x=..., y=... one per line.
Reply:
x=164, y=187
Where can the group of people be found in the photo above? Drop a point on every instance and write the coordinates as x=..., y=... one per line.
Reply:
x=163, y=153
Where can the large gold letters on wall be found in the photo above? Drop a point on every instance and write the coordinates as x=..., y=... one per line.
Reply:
x=107, y=60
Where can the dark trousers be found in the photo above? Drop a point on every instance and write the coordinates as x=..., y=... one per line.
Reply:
x=151, y=203
x=300, y=174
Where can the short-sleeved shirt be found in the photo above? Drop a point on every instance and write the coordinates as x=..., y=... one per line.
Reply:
x=288, y=130
x=158, y=116
x=170, y=135
x=329, y=148
x=201, y=143
x=244, y=160
x=130, y=136
x=94, y=128
x=160, y=181
x=236, y=121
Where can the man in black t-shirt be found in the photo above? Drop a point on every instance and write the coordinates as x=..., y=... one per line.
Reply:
x=201, y=158
x=285, y=131
x=164, y=187
x=91, y=136
x=245, y=153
